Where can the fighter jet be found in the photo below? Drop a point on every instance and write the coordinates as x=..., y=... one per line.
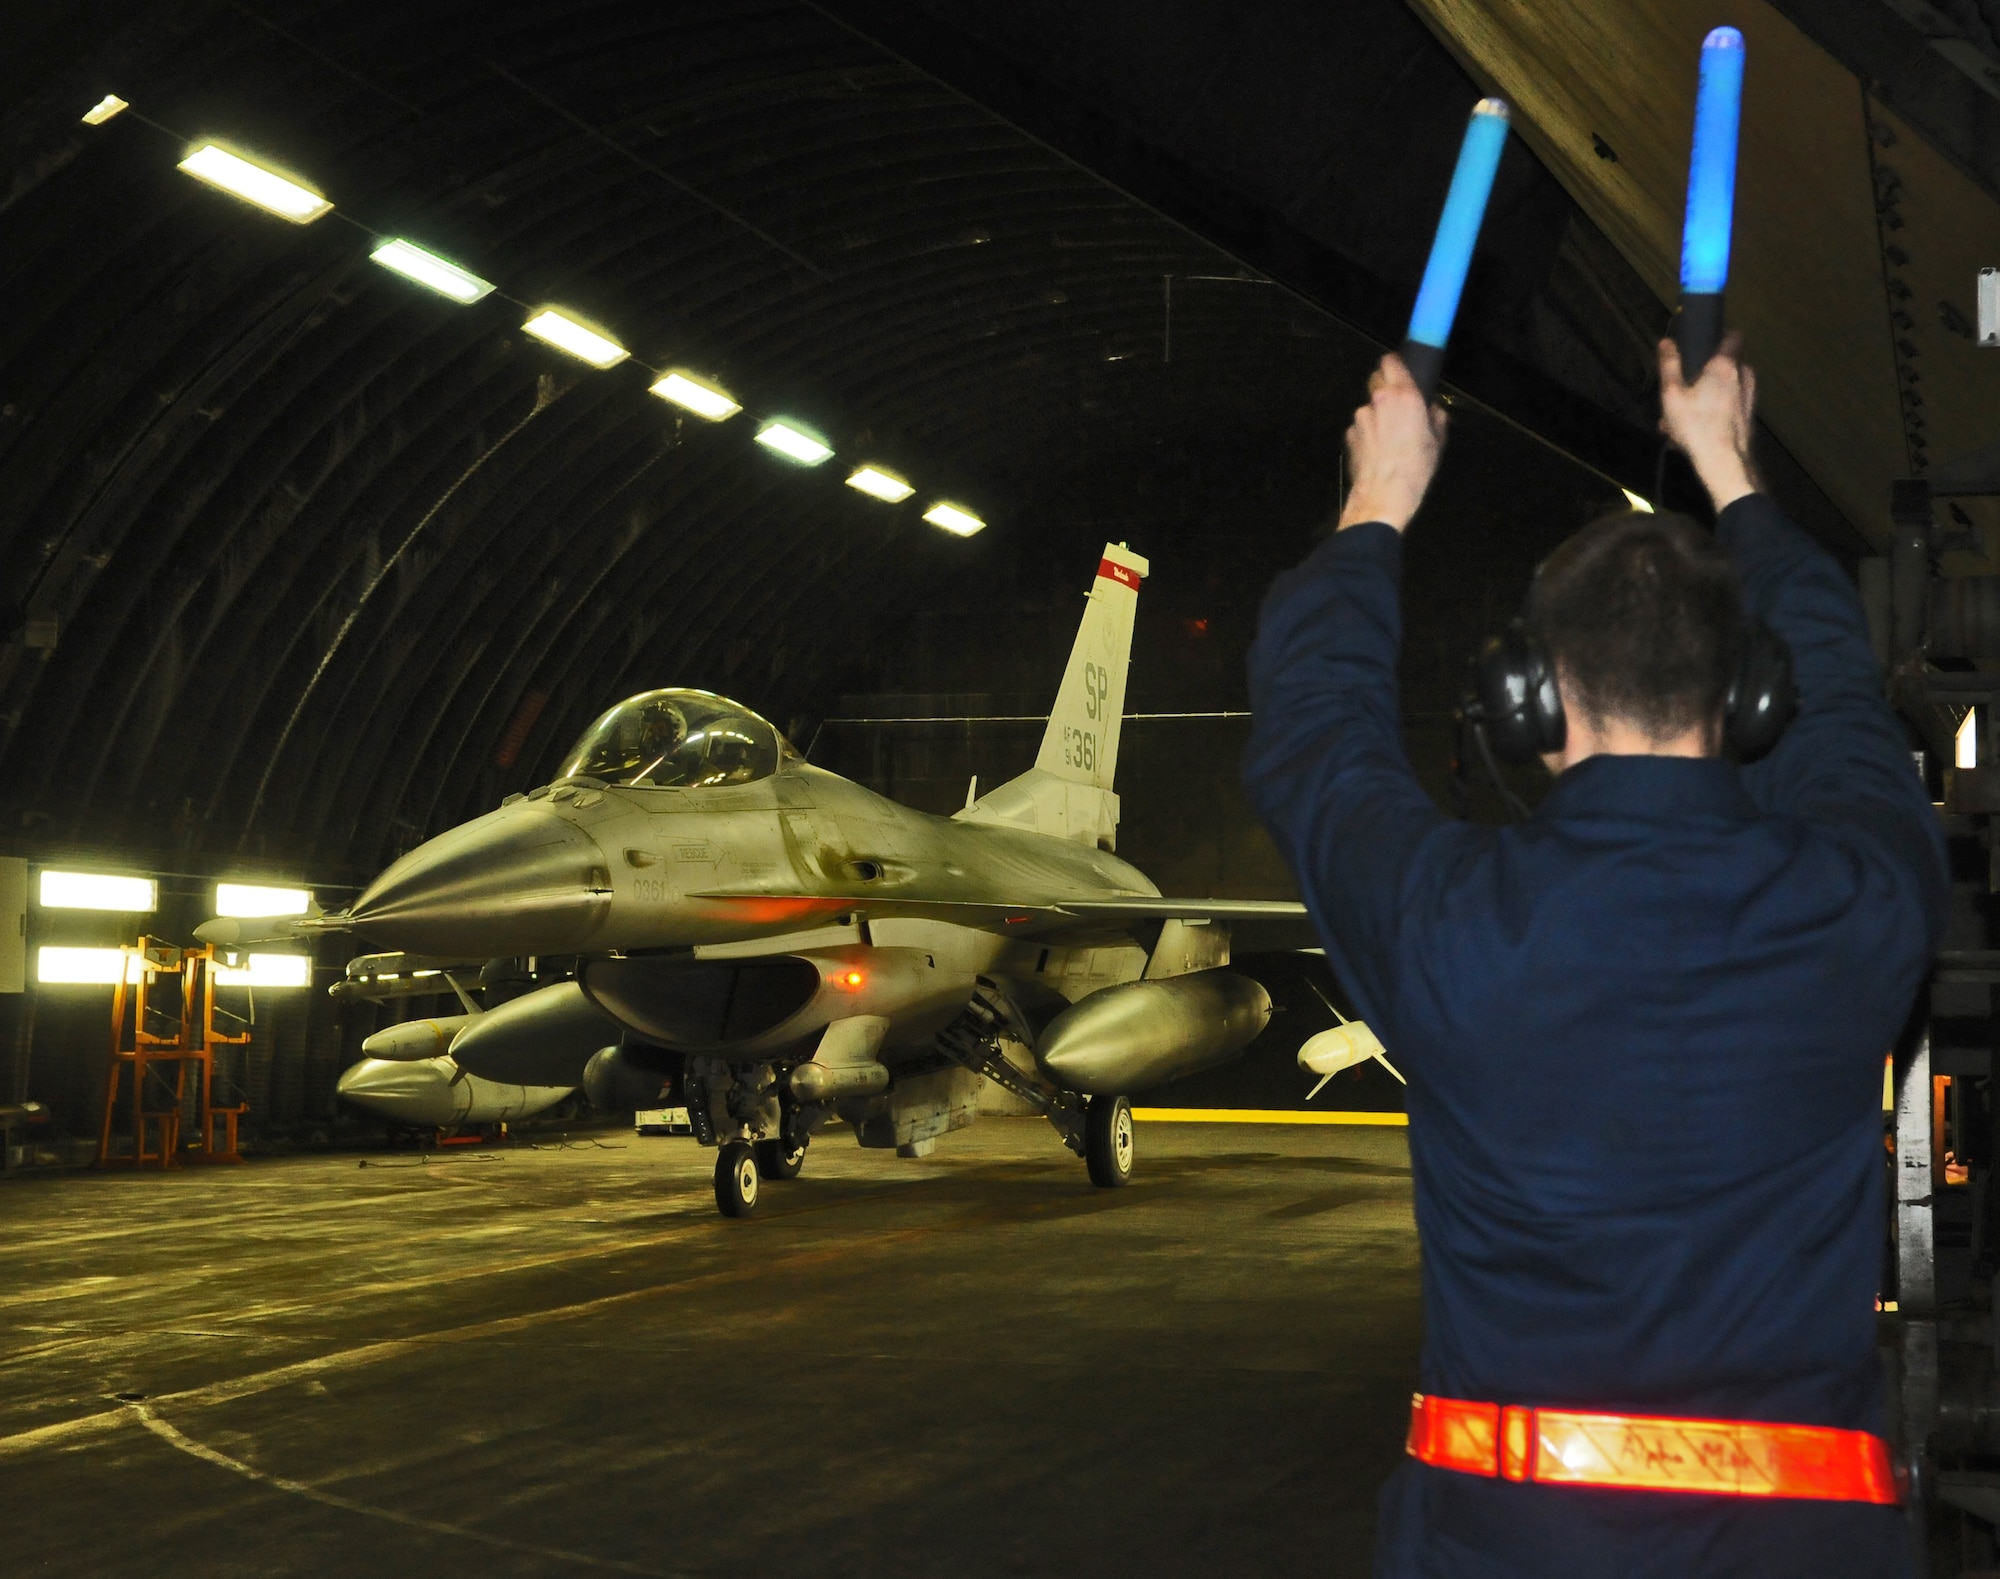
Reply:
x=779, y=945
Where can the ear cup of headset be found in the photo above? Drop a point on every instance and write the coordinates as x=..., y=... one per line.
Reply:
x=1763, y=697
x=1514, y=696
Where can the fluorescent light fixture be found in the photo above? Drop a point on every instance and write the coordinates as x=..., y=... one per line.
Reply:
x=962, y=522
x=250, y=899
x=270, y=191
x=104, y=109
x=704, y=400
x=428, y=269
x=267, y=970
x=1634, y=502
x=87, y=967
x=878, y=484
x=581, y=341
x=791, y=443
x=1965, y=750
x=96, y=891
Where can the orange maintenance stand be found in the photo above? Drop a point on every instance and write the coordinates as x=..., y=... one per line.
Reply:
x=146, y=1034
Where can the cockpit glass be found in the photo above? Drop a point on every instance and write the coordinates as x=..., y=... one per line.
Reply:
x=676, y=740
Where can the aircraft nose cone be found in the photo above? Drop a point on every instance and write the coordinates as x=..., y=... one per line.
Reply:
x=520, y=880
x=407, y=1093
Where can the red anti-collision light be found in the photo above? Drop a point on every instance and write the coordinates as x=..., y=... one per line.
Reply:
x=850, y=979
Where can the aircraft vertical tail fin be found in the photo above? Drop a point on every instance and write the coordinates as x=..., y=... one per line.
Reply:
x=1081, y=744
x=1068, y=792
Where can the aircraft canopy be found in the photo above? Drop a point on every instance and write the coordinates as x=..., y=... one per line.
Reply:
x=676, y=740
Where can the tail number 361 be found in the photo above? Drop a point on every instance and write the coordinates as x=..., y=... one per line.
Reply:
x=1079, y=748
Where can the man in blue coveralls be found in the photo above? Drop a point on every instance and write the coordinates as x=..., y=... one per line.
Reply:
x=1643, y=1030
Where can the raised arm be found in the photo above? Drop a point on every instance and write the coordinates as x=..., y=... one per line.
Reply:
x=1326, y=768
x=1843, y=765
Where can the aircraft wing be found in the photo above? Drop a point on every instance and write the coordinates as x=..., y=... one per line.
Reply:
x=1256, y=925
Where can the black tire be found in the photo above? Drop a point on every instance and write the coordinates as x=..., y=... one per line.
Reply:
x=735, y=1179
x=1109, y=1144
x=777, y=1160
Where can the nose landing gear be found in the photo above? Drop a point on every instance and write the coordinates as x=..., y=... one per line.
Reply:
x=735, y=1179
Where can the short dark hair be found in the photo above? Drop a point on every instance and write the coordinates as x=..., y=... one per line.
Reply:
x=1643, y=617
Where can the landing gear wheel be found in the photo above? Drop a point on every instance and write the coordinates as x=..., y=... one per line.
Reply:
x=735, y=1179
x=1108, y=1141
x=778, y=1159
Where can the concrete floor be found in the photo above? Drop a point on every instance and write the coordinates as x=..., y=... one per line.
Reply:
x=560, y=1360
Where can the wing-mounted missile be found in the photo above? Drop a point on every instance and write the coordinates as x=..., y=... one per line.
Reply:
x=376, y=978
x=1143, y=1033
x=242, y=931
x=544, y=1038
x=1341, y=1046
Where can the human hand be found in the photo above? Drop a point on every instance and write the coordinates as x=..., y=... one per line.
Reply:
x=1392, y=449
x=1713, y=418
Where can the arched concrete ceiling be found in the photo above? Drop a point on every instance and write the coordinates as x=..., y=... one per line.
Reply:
x=303, y=564
x=298, y=564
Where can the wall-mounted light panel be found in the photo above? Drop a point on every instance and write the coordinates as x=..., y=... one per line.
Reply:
x=267, y=970
x=98, y=891
x=104, y=109
x=86, y=967
x=253, y=899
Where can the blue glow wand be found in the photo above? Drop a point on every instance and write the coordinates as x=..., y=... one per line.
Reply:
x=1711, y=203
x=1422, y=350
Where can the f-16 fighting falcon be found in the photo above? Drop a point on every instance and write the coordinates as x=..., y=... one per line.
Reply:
x=777, y=945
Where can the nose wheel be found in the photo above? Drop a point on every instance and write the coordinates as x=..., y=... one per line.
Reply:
x=735, y=1179
x=1109, y=1144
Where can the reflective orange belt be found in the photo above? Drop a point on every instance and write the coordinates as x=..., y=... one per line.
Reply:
x=1731, y=1458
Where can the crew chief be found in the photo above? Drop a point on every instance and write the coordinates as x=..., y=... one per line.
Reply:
x=1643, y=1030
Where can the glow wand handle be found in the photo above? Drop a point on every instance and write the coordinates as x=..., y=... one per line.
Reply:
x=1711, y=199
x=1422, y=350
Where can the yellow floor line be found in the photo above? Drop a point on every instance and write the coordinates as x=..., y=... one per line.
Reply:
x=1252, y=1115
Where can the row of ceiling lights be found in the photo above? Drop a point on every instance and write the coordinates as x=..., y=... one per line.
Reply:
x=278, y=194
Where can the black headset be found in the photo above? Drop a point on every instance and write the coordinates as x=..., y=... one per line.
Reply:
x=1516, y=711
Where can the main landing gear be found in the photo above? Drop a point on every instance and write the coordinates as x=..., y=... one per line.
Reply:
x=1109, y=1145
